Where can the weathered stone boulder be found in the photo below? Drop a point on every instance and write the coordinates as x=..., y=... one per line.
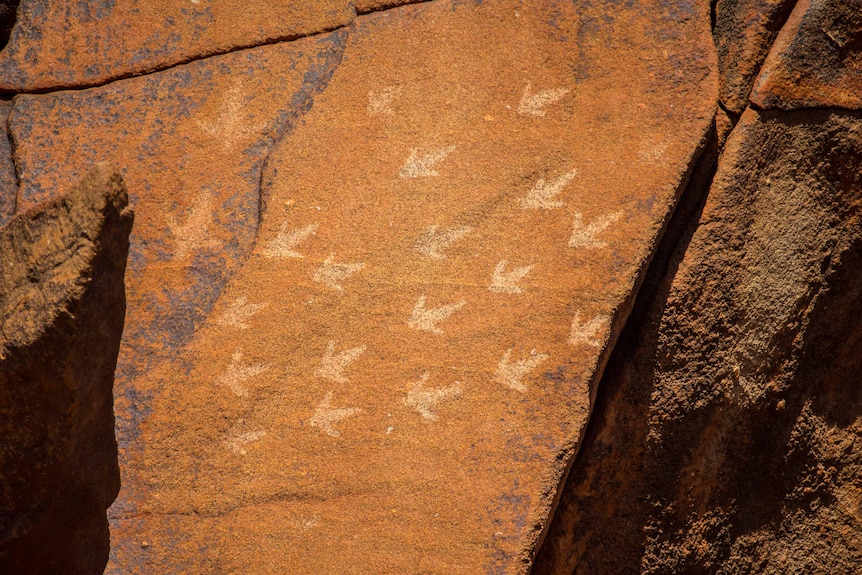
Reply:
x=726, y=437
x=816, y=60
x=62, y=303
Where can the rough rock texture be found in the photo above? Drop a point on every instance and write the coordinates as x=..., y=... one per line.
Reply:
x=58, y=44
x=61, y=317
x=8, y=178
x=744, y=30
x=727, y=440
x=378, y=273
x=816, y=60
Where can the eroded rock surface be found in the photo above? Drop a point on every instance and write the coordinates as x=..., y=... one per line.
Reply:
x=191, y=142
x=62, y=303
x=728, y=438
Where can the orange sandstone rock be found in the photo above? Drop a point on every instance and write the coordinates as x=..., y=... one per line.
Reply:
x=66, y=44
x=397, y=376
x=8, y=179
x=191, y=142
x=405, y=337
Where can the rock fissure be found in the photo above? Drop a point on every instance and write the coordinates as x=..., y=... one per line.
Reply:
x=155, y=70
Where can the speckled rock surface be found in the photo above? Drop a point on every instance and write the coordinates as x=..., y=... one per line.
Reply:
x=61, y=44
x=191, y=142
x=8, y=179
x=61, y=318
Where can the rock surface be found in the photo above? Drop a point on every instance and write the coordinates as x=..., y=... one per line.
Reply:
x=744, y=30
x=62, y=44
x=425, y=279
x=377, y=275
x=61, y=318
x=727, y=438
x=816, y=60
x=8, y=178
x=435, y=281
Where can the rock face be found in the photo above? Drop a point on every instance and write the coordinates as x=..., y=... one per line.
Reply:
x=62, y=303
x=744, y=30
x=8, y=179
x=725, y=437
x=84, y=43
x=431, y=292
x=727, y=441
x=385, y=249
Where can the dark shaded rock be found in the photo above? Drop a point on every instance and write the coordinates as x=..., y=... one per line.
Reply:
x=8, y=179
x=726, y=437
x=816, y=60
x=744, y=30
x=62, y=303
x=8, y=9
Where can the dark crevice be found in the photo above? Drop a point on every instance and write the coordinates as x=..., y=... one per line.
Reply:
x=13, y=147
x=8, y=16
x=656, y=280
x=712, y=15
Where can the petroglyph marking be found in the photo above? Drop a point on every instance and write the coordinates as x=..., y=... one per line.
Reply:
x=285, y=243
x=304, y=524
x=194, y=233
x=508, y=282
x=426, y=319
x=330, y=273
x=434, y=241
x=231, y=125
x=333, y=364
x=381, y=102
x=236, y=440
x=424, y=400
x=652, y=152
x=534, y=104
x=543, y=195
x=237, y=373
x=588, y=333
x=585, y=236
x=239, y=312
x=325, y=415
x=510, y=374
x=418, y=167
